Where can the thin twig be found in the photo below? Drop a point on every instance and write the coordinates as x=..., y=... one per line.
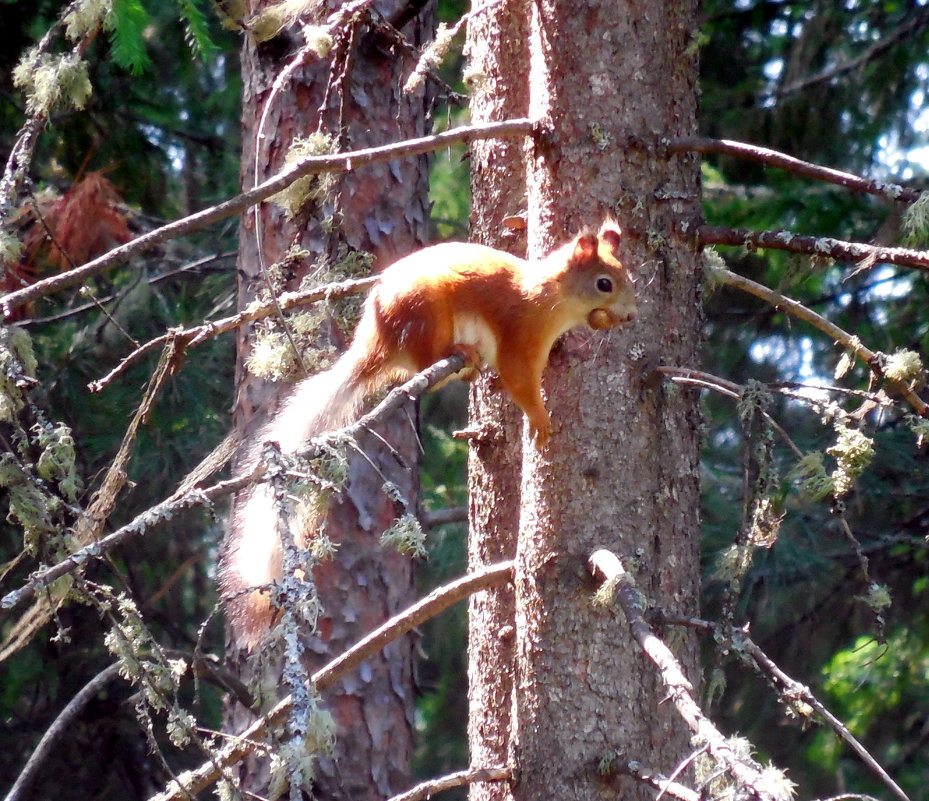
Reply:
x=664, y=785
x=442, y=517
x=793, y=690
x=774, y=158
x=312, y=165
x=699, y=378
x=821, y=246
x=462, y=778
x=437, y=601
x=917, y=22
x=796, y=691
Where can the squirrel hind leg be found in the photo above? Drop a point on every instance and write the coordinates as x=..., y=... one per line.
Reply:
x=526, y=391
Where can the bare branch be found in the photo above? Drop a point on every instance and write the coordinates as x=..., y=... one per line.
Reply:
x=60, y=726
x=191, y=498
x=913, y=25
x=873, y=359
x=665, y=786
x=774, y=158
x=437, y=601
x=607, y=567
x=462, y=778
x=821, y=246
x=313, y=165
x=442, y=517
x=698, y=378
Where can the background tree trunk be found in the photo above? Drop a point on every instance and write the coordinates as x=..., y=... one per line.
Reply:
x=382, y=209
x=621, y=471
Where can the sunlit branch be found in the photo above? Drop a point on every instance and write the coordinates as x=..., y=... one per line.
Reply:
x=872, y=359
x=607, y=568
x=774, y=158
x=635, y=769
x=313, y=165
x=437, y=601
x=821, y=246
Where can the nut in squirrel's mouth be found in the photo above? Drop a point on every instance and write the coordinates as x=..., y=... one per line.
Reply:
x=600, y=319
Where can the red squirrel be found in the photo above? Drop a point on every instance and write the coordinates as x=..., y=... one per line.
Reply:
x=498, y=310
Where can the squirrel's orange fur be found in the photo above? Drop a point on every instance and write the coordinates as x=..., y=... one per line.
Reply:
x=499, y=310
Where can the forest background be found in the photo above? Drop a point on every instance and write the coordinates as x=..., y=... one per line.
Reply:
x=840, y=601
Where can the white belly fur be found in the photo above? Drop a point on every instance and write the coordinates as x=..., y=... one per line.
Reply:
x=470, y=329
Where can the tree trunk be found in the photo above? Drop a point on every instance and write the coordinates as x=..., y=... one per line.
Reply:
x=382, y=209
x=621, y=469
x=498, y=53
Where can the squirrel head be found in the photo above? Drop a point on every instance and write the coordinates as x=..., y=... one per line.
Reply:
x=596, y=280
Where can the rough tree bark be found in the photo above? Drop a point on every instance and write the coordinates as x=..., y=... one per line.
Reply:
x=498, y=61
x=621, y=471
x=382, y=209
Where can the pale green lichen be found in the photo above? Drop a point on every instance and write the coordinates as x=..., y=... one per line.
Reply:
x=11, y=249
x=180, y=727
x=30, y=509
x=273, y=355
x=765, y=523
x=17, y=367
x=56, y=462
x=406, y=536
x=773, y=783
x=714, y=269
x=273, y=19
x=431, y=58
x=814, y=482
x=473, y=78
x=916, y=222
x=905, y=367
x=733, y=562
x=308, y=188
x=920, y=427
x=852, y=452
x=293, y=762
x=52, y=81
x=318, y=39
x=877, y=598
x=85, y=18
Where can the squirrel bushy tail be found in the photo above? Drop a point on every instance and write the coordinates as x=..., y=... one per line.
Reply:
x=252, y=555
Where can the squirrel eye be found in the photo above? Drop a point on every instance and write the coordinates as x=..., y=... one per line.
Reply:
x=604, y=284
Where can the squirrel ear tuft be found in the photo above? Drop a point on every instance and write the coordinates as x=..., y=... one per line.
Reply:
x=610, y=234
x=585, y=247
